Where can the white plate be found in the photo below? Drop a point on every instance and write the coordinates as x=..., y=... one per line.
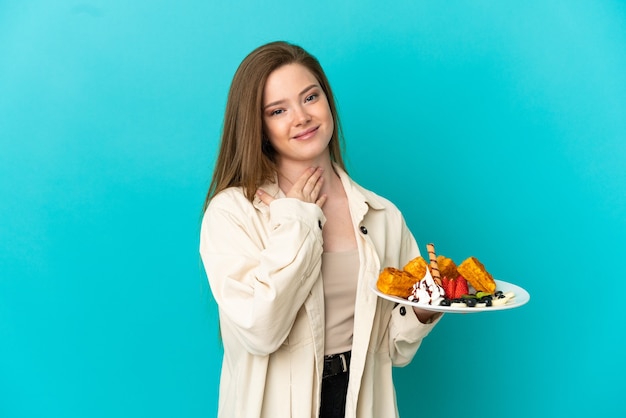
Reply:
x=521, y=298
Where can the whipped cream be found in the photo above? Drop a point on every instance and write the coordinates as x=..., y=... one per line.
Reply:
x=426, y=291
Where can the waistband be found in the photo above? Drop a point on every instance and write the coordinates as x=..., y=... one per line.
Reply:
x=335, y=364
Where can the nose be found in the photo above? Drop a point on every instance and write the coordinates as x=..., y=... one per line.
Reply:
x=301, y=116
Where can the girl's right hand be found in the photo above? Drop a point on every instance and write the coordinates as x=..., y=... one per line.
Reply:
x=306, y=188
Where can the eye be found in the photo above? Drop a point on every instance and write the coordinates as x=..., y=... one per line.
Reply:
x=276, y=112
x=311, y=97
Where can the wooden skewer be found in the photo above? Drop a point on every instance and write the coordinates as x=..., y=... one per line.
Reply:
x=434, y=266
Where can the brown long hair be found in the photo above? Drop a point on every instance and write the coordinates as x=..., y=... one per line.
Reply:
x=245, y=159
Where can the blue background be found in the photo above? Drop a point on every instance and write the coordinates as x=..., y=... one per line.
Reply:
x=498, y=128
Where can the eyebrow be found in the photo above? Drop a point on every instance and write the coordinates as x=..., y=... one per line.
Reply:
x=300, y=94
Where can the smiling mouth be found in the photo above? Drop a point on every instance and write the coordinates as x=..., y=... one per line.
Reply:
x=306, y=134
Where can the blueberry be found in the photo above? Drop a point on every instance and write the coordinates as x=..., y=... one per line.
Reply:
x=470, y=302
x=445, y=302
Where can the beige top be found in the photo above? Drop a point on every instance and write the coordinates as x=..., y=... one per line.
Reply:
x=340, y=272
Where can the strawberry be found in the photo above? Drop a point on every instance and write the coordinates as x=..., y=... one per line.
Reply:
x=444, y=283
x=448, y=286
x=461, y=287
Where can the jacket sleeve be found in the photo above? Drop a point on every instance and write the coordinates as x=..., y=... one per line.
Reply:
x=406, y=332
x=260, y=274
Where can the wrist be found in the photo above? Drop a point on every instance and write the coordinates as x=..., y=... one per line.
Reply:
x=424, y=316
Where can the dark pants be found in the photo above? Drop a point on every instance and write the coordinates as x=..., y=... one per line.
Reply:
x=334, y=389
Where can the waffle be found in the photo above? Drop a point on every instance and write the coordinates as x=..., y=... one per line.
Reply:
x=476, y=274
x=392, y=281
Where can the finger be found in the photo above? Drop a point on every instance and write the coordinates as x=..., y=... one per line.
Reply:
x=313, y=182
x=320, y=202
x=264, y=196
x=316, y=188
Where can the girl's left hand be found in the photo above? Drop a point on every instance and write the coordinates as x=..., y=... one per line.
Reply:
x=425, y=316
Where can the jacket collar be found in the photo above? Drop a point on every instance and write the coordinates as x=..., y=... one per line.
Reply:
x=353, y=190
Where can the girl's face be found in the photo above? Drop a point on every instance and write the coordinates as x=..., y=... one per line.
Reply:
x=296, y=114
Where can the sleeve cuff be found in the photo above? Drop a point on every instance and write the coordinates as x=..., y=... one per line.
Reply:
x=286, y=209
x=409, y=326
